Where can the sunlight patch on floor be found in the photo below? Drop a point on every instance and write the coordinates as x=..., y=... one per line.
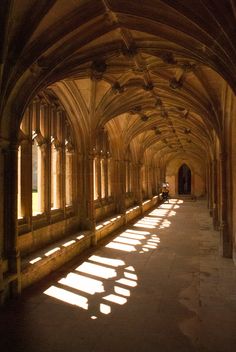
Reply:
x=90, y=277
x=121, y=247
x=96, y=270
x=138, y=232
x=108, y=261
x=82, y=283
x=131, y=276
x=132, y=235
x=115, y=299
x=105, y=309
x=68, y=297
x=125, y=240
x=127, y=282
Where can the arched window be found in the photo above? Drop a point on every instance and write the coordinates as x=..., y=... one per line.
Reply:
x=45, y=160
x=102, y=167
x=103, y=177
x=69, y=177
x=128, y=173
x=109, y=171
x=55, y=177
x=95, y=179
x=37, y=206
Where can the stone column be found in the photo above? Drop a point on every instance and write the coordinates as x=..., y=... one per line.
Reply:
x=26, y=180
x=211, y=188
x=88, y=221
x=121, y=194
x=119, y=185
x=150, y=195
x=45, y=179
x=138, y=184
x=215, y=196
x=225, y=237
x=208, y=182
x=10, y=216
x=106, y=177
x=1, y=225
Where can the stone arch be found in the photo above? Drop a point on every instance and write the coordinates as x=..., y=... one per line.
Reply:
x=198, y=174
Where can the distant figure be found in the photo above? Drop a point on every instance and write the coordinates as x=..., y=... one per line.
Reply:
x=165, y=193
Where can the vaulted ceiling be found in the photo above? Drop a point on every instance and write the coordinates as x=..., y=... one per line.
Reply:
x=152, y=72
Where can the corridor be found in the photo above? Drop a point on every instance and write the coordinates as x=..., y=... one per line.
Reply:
x=157, y=285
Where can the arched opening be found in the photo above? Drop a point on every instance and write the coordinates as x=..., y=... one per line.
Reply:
x=184, y=180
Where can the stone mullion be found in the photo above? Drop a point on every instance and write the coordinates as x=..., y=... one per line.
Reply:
x=63, y=178
x=109, y=176
x=47, y=160
x=76, y=176
x=99, y=177
x=106, y=176
x=63, y=160
x=59, y=179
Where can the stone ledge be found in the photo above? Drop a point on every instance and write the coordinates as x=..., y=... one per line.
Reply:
x=43, y=262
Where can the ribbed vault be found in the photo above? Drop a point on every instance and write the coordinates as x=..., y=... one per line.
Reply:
x=158, y=67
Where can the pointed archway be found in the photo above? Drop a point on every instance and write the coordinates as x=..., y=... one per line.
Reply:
x=184, y=180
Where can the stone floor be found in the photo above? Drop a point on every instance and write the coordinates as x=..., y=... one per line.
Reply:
x=159, y=285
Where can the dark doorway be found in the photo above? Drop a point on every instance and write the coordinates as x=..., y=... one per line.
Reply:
x=184, y=180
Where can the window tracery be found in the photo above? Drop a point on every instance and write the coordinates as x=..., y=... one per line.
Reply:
x=45, y=159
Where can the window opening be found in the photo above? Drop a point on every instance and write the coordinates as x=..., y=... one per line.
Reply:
x=36, y=179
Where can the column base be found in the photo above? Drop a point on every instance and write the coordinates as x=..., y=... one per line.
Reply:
x=14, y=265
x=225, y=243
x=234, y=255
x=2, y=291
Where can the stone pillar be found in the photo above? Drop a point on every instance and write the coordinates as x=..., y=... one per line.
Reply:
x=1, y=284
x=138, y=185
x=121, y=194
x=26, y=180
x=208, y=183
x=1, y=224
x=10, y=217
x=215, y=196
x=225, y=237
x=46, y=179
x=149, y=182
x=88, y=221
x=211, y=188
